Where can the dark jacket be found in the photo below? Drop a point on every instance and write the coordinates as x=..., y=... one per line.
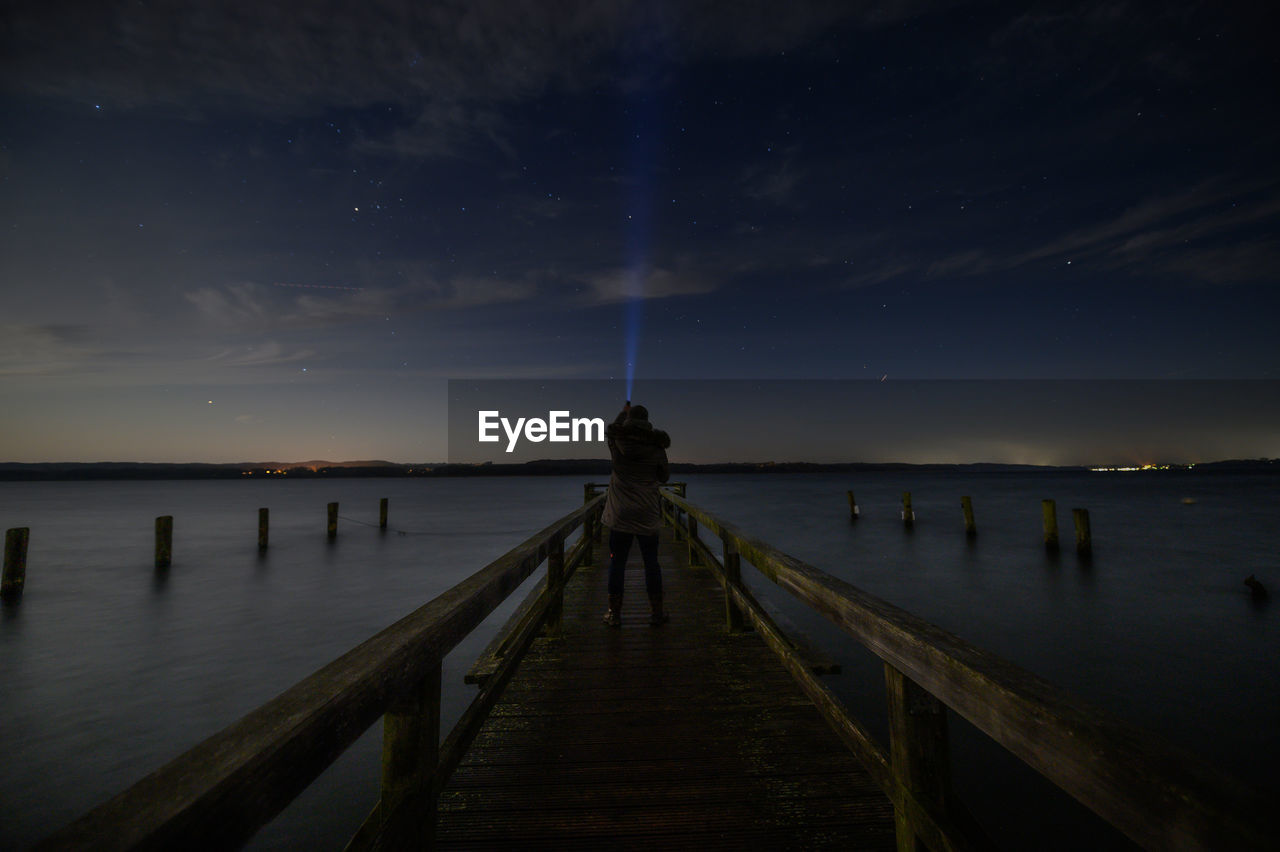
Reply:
x=639, y=455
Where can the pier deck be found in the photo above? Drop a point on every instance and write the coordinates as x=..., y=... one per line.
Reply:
x=677, y=736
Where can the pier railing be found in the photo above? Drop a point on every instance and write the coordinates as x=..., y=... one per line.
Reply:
x=222, y=791
x=1159, y=796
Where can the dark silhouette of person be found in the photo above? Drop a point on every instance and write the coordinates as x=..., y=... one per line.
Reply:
x=632, y=508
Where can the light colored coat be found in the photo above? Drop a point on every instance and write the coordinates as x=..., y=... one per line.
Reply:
x=639, y=455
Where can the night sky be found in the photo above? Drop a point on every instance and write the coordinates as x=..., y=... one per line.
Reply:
x=264, y=231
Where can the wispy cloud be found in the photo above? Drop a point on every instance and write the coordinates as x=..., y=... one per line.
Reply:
x=620, y=285
x=1205, y=233
x=268, y=354
x=51, y=349
x=252, y=307
x=446, y=66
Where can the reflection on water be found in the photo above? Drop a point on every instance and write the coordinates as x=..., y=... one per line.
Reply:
x=108, y=668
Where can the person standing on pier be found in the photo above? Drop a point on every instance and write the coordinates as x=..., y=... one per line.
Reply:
x=632, y=509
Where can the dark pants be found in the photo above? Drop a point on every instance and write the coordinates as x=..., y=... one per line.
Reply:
x=619, y=547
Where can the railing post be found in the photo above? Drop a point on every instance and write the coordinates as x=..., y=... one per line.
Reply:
x=1050, y=512
x=15, y=563
x=588, y=537
x=164, y=541
x=732, y=577
x=1084, y=538
x=918, y=752
x=555, y=585
x=410, y=754
x=693, y=534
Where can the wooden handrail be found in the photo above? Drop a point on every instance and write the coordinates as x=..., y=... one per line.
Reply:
x=220, y=792
x=1160, y=796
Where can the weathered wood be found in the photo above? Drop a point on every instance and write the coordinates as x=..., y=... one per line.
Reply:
x=164, y=541
x=908, y=514
x=331, y=529
x=918, y=748
x=410, y=752
x=1084, y=537
x=619, y=739
x=953, y=830
x=219, y=793
x=1159, y=795
x=555, y=586
x=491, y=657
x=1049, y=509
x=815, y=660
x=732, y=578
x=382, y=513
x=264, y=528
x=691, y=528
x=531, y=609
x=14, y=577
x=966, y=506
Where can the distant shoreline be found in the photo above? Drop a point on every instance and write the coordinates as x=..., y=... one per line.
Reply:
x=88, y=471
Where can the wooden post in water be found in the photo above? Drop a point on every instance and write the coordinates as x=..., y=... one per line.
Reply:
x=264, y=527
x=333, y=520
x=15, y=563
x=410, y=753
x=732, y=577
x=1084, y=538
x=164, y=541
x=382, y=513
x=970, y=528
x=1050, y=511
x=853, y=507
x=555, y=585
x=908, y=515
x=918, y=752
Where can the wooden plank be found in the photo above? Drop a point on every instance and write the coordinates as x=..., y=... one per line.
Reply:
x=1159, y=795
x=218, y=793
x=683, y=734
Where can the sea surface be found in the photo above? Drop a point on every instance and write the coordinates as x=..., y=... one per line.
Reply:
x=108, y=670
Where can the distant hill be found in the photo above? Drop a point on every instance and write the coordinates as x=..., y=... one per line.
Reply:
x=34, y=472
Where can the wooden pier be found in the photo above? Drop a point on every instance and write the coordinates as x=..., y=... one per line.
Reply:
x=714, y=730
x=677, y=736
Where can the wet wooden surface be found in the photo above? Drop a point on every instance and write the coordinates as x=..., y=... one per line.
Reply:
x=678, y=736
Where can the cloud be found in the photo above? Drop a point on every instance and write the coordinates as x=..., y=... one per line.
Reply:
x=49, y=349
x=1204, y=233
x=777, y=184
x=446, y=66
x=621, y=285
x=252, y=307
x=241, y=305
x=268, y=354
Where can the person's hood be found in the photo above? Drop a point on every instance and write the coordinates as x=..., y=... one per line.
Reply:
x=641, y=432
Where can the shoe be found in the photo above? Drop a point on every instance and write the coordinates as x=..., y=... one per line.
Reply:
x=613, y=618
x=659, y=618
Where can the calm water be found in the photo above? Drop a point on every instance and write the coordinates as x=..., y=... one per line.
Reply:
x=106, y=673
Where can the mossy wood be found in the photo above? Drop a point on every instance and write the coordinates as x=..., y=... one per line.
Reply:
x=1160, y=796
x=223, y=790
